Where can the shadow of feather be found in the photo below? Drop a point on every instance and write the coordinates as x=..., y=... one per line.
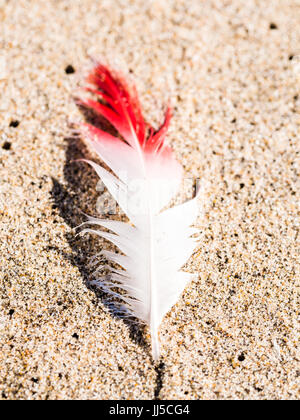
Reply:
x=76, y=196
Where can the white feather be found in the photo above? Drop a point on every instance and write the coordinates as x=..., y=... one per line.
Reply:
x=155, y=248
x=147, y=176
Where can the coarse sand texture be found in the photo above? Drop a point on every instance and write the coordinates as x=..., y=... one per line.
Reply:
x=231, y=70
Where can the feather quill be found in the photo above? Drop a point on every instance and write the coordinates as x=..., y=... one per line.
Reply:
x=146, y=177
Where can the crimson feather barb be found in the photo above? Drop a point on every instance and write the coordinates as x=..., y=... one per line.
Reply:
x=146, y=177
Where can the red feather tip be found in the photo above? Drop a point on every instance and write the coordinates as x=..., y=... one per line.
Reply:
x=120, y=105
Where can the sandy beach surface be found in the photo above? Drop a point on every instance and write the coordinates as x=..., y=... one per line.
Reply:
x=231, y=70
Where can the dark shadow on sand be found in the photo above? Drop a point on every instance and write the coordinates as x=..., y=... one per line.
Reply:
x=78, y=195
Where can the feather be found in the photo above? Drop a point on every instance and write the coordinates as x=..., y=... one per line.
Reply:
x=146, y=177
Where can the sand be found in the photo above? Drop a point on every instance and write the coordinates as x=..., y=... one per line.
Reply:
x=231, y=70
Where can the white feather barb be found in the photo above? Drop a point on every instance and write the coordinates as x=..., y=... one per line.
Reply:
x=147, y=176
